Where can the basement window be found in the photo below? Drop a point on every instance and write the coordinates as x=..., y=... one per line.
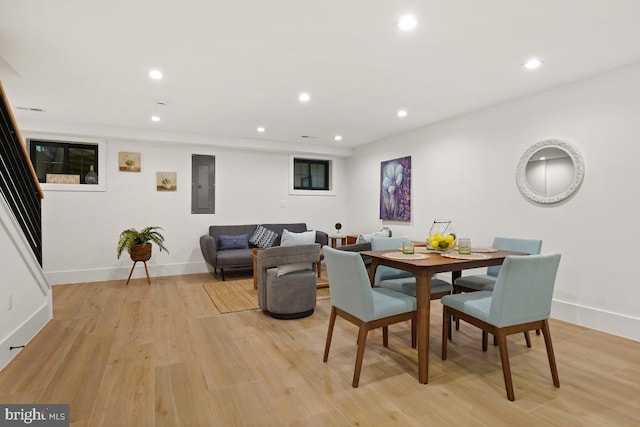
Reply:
x=309, y=176
x=66, y=165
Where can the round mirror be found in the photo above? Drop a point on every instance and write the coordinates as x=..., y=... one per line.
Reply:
x=550, y=171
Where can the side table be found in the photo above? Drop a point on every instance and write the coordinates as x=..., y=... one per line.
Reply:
x=334, y=239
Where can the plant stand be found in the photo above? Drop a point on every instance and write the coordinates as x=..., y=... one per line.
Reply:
x=140, y=253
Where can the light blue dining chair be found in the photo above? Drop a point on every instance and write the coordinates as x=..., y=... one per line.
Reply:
x=520, y=302
x=384, y=272
x=353, y=299
x=485, y=282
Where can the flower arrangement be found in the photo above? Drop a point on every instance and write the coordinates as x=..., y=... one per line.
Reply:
x=439, y=241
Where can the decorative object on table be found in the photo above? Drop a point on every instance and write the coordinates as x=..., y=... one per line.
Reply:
x=338, y=227
x=398, y=255
x=138, y=245
x=464, y=246
x=408, y=248
x=129, y=162
x=395, y=189
x=441, y=235
x=166, y=181
x=91, y=177
x=457, y=255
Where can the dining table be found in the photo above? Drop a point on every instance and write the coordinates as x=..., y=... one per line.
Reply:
x=423, y=265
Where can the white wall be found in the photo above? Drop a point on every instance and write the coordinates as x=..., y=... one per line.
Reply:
x=25, y=294
x=464, y=170
x=81, y=229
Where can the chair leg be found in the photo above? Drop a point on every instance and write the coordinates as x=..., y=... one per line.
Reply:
x=362, y=341
x=414, y=341
x=446, y=332
x=552, y=359
x=504, y=358
x=527, y=338
x=332, y=322
x=222, y=272
x=456, y=290
x=537, y=331
x=485, y=340
x=385, y=336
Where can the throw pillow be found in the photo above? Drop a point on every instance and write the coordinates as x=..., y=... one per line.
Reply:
x=263, y=237
x=296, y=239
x=240, y=241
x=365, y=238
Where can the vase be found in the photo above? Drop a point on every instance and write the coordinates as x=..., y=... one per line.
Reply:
x=91, y=177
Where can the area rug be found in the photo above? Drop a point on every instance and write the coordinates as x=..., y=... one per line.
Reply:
x=232, y=296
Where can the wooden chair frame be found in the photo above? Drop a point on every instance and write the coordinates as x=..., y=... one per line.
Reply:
x=501, y=336
x=364, y=328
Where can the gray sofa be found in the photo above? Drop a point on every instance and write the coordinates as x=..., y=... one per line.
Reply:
x=241, y=258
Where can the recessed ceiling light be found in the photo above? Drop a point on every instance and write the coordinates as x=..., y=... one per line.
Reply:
x=155, y=74
x=155, y=118
x=407, y=23
x=402, y=113
x=337, y=138
x=260, y=129
x=532, y=64
x=304, y=97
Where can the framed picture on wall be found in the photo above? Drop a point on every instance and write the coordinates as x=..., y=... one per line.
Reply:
x=129, y=162
x=166, y=181
x=395, y=189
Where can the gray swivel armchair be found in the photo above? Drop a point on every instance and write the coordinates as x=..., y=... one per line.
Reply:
x=287, y=280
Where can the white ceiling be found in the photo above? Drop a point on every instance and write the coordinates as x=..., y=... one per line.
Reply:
x=231, y=66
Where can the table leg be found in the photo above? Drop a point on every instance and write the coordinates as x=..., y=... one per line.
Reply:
x=372, y=270
x=423, y=299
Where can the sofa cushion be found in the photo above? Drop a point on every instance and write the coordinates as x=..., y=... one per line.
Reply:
x=240, y=241
x=263, y=238
x=364, y=238
x=296, y=239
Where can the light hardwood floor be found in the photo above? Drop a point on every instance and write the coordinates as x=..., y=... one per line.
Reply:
x=163, y=355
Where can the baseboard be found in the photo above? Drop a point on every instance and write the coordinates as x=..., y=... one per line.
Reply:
x=121, y=273
x=25, y=333
x=600, y=320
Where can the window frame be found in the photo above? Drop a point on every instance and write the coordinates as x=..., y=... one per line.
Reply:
x=309, y=192
x=71, y=140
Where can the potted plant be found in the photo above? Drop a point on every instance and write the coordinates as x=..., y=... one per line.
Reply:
x=138, y=243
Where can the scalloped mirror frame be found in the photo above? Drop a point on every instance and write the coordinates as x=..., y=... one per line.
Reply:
x=578, y=172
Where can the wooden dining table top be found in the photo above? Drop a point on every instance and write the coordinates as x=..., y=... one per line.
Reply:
x=424, y=269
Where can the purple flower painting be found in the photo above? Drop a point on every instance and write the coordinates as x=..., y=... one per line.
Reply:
x=395, y=189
